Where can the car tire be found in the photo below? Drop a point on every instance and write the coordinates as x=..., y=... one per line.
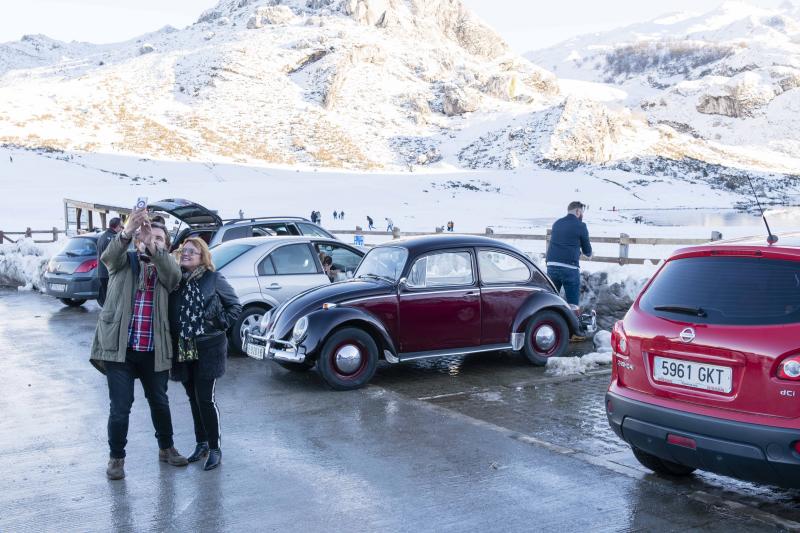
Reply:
x=296, y=367
x=546, y=336
x=73, y=302
x=249, y=316
x=661, y=466
x=348, y=359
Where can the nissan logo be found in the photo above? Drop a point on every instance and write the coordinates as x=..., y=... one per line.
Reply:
x=687, y=335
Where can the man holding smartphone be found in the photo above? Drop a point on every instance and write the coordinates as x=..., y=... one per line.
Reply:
x=132, y=339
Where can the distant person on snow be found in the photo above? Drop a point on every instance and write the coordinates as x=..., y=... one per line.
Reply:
x=370, y=223
x=114, y=227
x=335, y=215
x=451, y=226
x=341, y=215
x=569, y=238
x=389, y=224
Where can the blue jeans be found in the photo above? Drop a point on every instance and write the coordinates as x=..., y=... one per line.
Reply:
x=121, y=377
x=570, y=279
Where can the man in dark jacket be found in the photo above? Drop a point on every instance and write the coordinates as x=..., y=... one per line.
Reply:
x=114, y=227
x=569, y=238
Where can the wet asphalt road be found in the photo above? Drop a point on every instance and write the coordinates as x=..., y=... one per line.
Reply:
x=484, y=443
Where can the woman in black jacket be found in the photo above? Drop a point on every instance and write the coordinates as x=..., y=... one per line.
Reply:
x=201, y=310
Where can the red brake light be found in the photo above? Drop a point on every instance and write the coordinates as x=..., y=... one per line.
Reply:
x=619, y=341
x=796, y=446
x=684, y=442
x=86, y=266
x=790, y=368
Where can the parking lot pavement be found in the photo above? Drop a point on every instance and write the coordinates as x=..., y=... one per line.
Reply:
x=300, y=457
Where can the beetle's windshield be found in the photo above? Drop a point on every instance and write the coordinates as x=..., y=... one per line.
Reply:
x=385, y=262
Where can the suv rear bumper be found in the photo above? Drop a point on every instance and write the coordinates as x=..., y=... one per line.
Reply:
x=745, y=451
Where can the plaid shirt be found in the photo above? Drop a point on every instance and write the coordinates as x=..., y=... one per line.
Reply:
x=140, y=330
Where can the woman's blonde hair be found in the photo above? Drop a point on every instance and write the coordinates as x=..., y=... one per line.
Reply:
x=205, y=253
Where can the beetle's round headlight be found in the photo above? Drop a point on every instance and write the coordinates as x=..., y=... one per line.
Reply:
x=300, y=329
x=262, y=326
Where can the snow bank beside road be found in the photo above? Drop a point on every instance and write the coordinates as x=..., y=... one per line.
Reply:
x=567, y=366
x=23, y=263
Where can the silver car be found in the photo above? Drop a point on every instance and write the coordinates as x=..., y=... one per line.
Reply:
x=267, y=271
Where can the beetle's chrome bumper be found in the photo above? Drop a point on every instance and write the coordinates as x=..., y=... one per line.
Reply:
x=267, y=347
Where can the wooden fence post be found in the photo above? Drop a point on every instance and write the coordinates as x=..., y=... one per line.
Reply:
x=547, y=240
x=78, y=213
x=395, y=232
x=2, y=236
x=489, y=231
x=716, y=236
x=624, y=248
x=55, y=234
x=29, y=233
x=103, y=220
x=91, y=220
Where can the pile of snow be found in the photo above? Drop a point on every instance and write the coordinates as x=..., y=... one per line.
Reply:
x=23, y=263
x=567, y=366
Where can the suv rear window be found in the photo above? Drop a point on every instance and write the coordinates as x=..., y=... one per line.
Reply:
x=727, y=290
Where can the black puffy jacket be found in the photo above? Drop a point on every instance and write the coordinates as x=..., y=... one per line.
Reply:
x=220, y=304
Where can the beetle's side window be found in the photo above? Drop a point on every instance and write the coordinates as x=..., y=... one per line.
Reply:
x=499, y=267
x=446, y=269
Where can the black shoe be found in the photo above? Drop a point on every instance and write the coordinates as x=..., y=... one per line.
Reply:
x=200, y=451
x=214, y=459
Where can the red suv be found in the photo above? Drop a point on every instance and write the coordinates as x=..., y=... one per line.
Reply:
x=706, y=364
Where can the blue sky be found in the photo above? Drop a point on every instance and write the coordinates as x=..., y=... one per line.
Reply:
x=525, y=24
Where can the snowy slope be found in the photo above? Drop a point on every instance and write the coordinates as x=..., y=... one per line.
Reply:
x=355, y=83
x=729, y=79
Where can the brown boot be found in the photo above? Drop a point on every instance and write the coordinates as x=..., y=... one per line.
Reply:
x=172, y=456
x=116, y=468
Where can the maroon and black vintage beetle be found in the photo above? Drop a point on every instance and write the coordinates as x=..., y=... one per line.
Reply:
x=418, y=298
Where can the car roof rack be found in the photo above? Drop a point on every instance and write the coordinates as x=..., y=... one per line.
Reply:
x=256, y=219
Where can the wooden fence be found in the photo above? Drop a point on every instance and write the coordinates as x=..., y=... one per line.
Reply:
x=624, y=241
x=51, y=233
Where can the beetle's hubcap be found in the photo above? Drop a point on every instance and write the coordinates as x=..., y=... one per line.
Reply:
x=348, y=358
x=545, y=338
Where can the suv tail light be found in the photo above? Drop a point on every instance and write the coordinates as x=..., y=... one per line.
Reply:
x=86, y=266
x=790, y=368
x=619, y=341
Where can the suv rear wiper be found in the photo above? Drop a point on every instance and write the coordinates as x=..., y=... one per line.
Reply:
x=686, y=310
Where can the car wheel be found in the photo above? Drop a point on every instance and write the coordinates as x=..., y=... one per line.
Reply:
x=546, y=336
x=249, y=317
x=348, y=359
x=296, y=367
x=661, y=466
x=72, y=302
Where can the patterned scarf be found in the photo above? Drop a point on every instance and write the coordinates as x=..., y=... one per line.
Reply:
x=191, y=316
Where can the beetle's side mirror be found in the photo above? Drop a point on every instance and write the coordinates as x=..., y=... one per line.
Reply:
x=402, y=284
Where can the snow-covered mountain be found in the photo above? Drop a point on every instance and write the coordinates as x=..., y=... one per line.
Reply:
x=388, y=84
x=352, y=83
x=729, y=78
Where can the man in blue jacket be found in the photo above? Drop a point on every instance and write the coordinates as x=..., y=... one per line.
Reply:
x=569, y=238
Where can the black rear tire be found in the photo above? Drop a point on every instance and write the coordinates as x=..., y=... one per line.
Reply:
x=72, y=302
x=355, y=375
x=296, y=367
x=539, y=354
x=661, y=466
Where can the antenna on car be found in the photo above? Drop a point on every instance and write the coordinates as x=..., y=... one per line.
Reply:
x=771, y=238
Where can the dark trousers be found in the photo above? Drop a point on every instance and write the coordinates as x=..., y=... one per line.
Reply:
x=570, y=279
x=200, y=391
x=101, y=294
x=121, y=377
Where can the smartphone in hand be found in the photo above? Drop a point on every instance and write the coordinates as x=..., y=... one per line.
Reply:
x=141, y=203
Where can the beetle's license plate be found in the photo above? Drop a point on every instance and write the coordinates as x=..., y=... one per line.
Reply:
x=58, y=287
x=692, y=374
x=256, y=351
